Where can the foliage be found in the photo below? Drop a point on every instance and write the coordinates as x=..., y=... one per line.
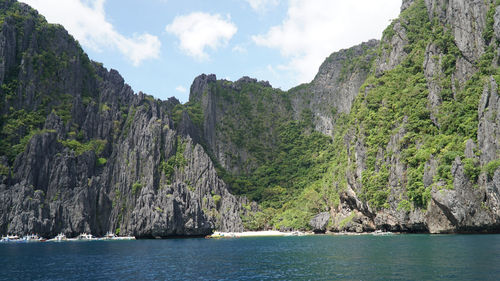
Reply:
x=193, y=109
x=216, y=199
x=101, y=161
x=23, y=110
x=298, y=160
x=491, y=167
x=176, y=161
x=471, y=169
x=17, y=129
x=347, y=220
x=258, y=220
x=353, y=61
x=488, y=33
x=79, y=148
x=397, y=102
x=4, y=170
x=136, y=187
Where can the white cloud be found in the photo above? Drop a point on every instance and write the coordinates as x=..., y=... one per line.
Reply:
x=181, y=89
x=240, y=49
x=262, y=5
x=313, y=29
x=198, y=30
x=86, y=21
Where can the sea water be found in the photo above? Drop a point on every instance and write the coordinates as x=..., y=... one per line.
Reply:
x=365, y=257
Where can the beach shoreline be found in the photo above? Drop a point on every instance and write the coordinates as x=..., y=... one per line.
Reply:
x=264, y=233
x=276, y=233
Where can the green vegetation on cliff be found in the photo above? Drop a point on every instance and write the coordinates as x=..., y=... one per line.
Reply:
x=389, y=105
x=24, y=109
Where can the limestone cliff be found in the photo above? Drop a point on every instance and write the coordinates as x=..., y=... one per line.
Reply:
x=408, y=181
x=81, y=152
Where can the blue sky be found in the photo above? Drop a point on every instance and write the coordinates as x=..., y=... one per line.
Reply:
x=160, y=46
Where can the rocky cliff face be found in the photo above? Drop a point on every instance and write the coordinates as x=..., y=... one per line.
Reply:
x=336, y=85
x=458, y=184
x=254, y=110
x=97, y=157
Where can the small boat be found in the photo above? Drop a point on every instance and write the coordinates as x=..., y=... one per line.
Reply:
x=295, y=233
x=32, y=238
x=85, y=236
x=11, y=238
x=110, y=235
x=123, y=238
x=215, y=235
x=381, y=233
x=59, y=238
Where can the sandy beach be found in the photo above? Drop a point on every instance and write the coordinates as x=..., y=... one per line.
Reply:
x=266, y=233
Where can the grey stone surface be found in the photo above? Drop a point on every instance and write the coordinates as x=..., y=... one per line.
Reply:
x=319, y=222
x=52, y=189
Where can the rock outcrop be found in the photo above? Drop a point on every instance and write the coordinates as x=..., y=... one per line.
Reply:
x=103, y=158
x=469, y=202
x=320, y=222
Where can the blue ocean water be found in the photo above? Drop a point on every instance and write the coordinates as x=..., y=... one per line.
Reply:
x=366, y=257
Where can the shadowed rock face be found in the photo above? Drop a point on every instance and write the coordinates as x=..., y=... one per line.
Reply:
x=470, y=206
x=320, y=222
x=52, y=187
x=336, y=85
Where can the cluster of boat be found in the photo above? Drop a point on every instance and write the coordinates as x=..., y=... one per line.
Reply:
x=62, y=237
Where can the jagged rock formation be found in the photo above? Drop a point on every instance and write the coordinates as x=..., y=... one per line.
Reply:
x=103, y=158
x=336, y=85
x=469, y=202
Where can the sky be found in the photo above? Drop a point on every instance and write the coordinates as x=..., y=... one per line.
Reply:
x=160, y=46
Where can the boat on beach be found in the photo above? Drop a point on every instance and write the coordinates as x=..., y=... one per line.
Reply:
x=59, y=238
x=85, y=236
x=11, y=238
x=34, y=238
x=381, y=233
x=111, y=236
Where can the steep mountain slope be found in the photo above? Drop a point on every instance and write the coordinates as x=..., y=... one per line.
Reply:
x=82, y=152
x=420, y=147
x=272, y=144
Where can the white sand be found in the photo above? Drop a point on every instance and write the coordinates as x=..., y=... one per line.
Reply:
x=255, y=233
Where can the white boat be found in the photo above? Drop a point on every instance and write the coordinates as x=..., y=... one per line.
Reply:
x=381, y=233
x=85, y=236
x=11, y=238
x=59, y=238
x=295, y=233
x=111, y=236
x=123, y=238
x=32, y=238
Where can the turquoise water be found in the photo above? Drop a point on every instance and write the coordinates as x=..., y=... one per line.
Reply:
x=398, y=257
